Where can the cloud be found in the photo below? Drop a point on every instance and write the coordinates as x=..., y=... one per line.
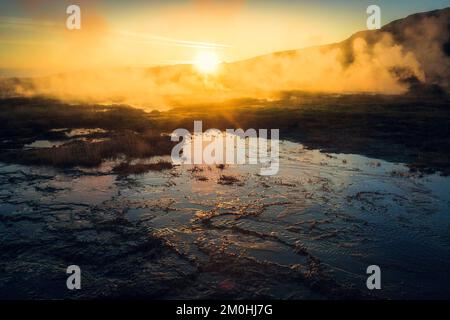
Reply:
x=28, y=22
x=170, y=41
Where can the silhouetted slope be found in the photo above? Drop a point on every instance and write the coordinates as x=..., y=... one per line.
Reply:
x=424, y=38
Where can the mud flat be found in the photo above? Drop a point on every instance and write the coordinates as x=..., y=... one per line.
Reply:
x=219, y=231
x=309, y=232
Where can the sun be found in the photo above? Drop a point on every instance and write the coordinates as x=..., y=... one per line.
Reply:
x=206, y=62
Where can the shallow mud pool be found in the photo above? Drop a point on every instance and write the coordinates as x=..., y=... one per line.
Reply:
x=193, y=232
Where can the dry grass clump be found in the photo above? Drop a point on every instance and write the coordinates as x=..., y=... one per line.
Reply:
x=125, y=168
x=228, y=180
x=91, y=154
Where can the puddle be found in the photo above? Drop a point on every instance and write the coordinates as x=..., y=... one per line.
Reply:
x=83, y=132
x=39, y=144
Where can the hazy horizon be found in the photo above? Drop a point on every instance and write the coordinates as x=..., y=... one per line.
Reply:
x=212, y=51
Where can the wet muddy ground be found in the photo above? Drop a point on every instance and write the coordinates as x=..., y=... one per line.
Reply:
x=195, y=232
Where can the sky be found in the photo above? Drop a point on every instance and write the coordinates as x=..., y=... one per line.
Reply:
x=138, y=33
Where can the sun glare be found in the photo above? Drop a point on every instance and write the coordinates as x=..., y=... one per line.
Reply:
x=206, y=62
